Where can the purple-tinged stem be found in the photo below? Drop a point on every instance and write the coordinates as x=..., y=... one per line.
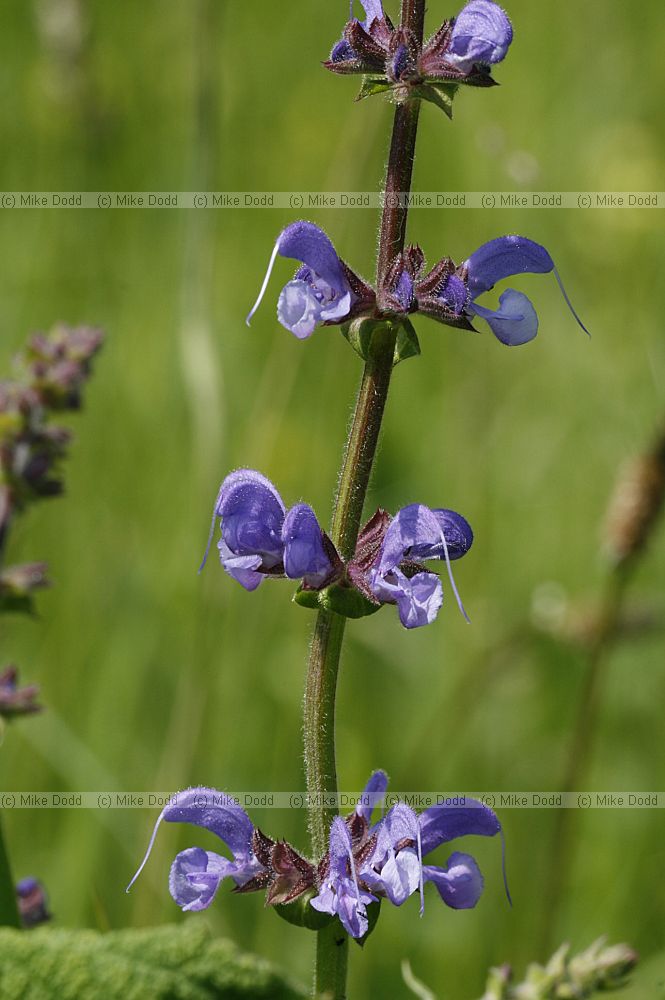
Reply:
x=360, y=451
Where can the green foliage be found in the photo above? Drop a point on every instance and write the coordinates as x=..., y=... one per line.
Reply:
x=164, y=963
x=372, y=85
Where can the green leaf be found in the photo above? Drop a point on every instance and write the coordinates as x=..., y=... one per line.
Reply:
x=372, y=85
x=438, y=94
x=301, y=914
x=407, y=344
x=176, y=962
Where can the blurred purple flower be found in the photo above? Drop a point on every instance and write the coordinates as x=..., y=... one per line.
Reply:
x=418, y=533
x=32, y=903
x=260, y=538
x=324, y=289
x=15, y=700
x=449, y=294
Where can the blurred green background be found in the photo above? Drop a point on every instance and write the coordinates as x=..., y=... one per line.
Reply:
x=156, y=678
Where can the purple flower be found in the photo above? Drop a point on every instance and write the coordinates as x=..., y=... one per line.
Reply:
x=15, y=700
x=340, y=893
x=481, y=33
x=418, y=533
x=32, y=903
x=367, y=863
x=258, y=862
x=449, y=294
x=260, y=538
x=364, y=864
x=197, y=874
x=324, y=289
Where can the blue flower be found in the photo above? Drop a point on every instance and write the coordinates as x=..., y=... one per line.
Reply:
x=260, y=538
x=385, y=861
x=364, y=864
x=449, y=294
x=196, y=875
x=418, y=533
x=324, y=290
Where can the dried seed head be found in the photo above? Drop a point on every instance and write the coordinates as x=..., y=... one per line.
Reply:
x=637, y=502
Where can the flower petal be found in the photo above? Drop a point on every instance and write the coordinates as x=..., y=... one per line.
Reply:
x=515, y=322
x=298, y=309
x=307, y=243
x=400, y=875
x=503, y=258
x=252, y=513
x=243, y=569
x=372, y=794
x=196, y=876
x=414, y=525
x=373, y=9
x=442, y=823
x=304, y=551
x=482, y=33
x=460, y=883
x=419, y=600
x=340, y=846
x=457, y=532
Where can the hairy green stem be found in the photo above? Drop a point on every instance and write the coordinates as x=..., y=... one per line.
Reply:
x=360, y=451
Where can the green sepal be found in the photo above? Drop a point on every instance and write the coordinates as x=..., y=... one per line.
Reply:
x=301, y=914
x=407, y=344
x=344, y=601
x=373, y=913
x=372, y=85
x=347, y=602
x=365, y=335
x=307, y=598
x=438, y=94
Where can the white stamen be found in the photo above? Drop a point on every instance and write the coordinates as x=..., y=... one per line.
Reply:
x=568, y=302
x=452, y=579
x=271, y=264
x=215, y=514
x=147, y=853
